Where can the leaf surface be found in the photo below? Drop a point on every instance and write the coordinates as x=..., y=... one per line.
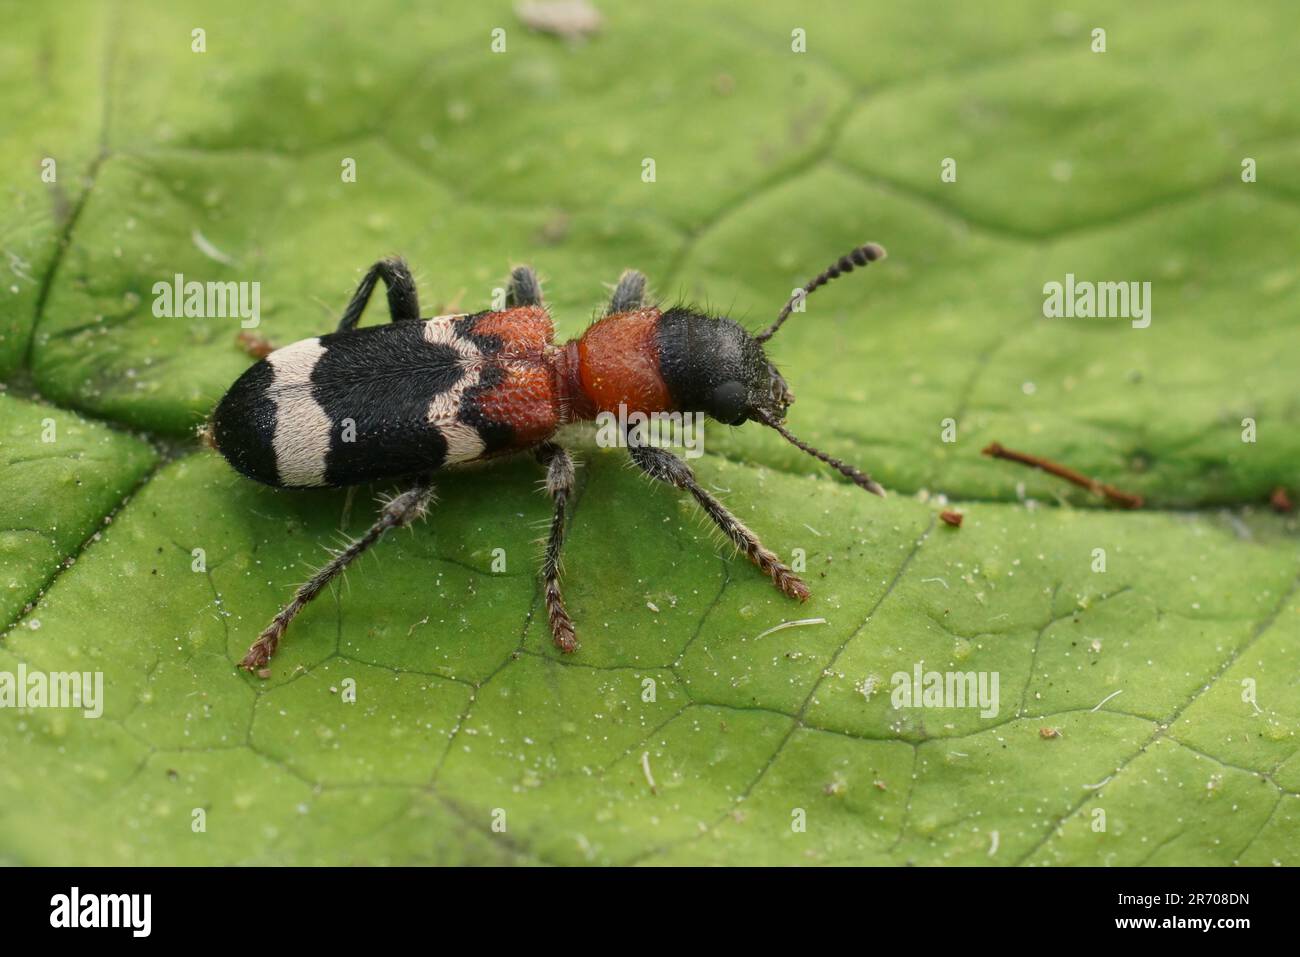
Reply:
x=1146, y=713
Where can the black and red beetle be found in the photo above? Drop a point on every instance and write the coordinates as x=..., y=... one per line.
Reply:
x=402, y=400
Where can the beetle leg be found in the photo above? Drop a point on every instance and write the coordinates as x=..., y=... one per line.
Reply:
x=401, y=510
x=403, y=302
x=629, y=294
x=663, y=466
x=525, y=288
x=559, y=483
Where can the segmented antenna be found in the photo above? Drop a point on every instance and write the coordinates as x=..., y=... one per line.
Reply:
x=859, y=478
x=866, y=253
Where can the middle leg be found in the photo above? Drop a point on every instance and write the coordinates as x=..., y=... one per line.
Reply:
x=559, y=483
x=525, y=288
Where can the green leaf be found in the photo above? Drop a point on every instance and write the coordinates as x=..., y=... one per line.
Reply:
x=1146, y=709
x=63, y=479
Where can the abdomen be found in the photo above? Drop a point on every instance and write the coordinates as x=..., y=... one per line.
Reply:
x=377, y=403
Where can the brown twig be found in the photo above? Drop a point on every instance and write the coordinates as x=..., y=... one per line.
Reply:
x=1126, y=499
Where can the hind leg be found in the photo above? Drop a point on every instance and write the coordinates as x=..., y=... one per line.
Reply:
x=402, y=510
x=403, y=302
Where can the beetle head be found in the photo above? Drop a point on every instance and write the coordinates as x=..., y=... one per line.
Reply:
x=714, y=365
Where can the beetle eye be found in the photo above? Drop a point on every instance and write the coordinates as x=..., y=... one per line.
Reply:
x=728, y=405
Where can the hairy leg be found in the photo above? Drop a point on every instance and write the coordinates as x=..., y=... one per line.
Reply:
x=525, y=288
x=662, y=465
x=629, y=294
x=401, y=510
x=403, y=302
x=559, y=483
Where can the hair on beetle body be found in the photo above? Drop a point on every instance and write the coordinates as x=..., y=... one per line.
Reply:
x=407, y=398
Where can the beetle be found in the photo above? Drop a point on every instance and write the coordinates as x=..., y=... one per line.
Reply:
x=408, y=398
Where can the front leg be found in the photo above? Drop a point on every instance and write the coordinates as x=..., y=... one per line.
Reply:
x=559, y=483
x=629, y=294
x=663, y=466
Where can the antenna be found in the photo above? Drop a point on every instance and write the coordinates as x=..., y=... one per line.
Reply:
x=859, y=478
x=864, y=254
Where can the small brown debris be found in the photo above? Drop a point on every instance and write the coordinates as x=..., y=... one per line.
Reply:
x=951, y=517
x=1126, y=499
x=1281, y=501
x=1047, y=733
x=257, y=346
x=555, y=230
